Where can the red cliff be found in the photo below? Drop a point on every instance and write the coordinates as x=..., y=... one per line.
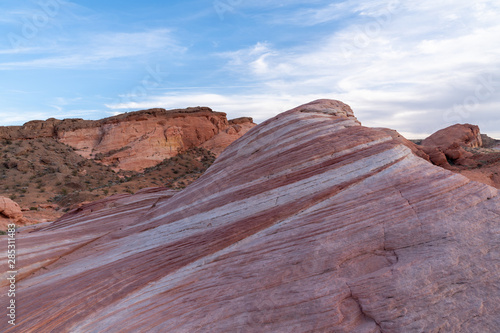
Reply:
x=138, y=140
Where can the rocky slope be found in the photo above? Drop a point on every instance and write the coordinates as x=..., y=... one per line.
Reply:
x=309, y=223
x=137, y=140
x=46, y=177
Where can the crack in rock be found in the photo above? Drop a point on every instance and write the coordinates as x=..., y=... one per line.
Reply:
x=362, y=310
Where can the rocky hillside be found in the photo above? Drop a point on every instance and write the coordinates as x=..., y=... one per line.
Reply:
x=309, y=223
x=50, y=166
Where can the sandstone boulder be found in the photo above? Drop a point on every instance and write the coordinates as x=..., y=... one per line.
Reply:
x=451, y=142
x=465, y=135
x=308, y=223
x=10, y=212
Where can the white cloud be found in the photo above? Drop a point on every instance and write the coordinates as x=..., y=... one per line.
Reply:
x=258, y=106
x=14, y=117
x=409, y=66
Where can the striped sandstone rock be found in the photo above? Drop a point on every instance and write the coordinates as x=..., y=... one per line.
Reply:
x=308, y=223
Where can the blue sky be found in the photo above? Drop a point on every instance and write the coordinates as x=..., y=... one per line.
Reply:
x=412, y=66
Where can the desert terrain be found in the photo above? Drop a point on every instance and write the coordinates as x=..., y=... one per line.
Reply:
x=309, y=222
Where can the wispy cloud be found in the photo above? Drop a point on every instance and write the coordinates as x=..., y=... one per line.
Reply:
x=315, y=15
x=412, y=68
x=12, y=116
x=260, y=106
x=25, y=50
x=100, y=49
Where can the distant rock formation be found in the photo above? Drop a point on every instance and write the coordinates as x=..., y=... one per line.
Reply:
x=10, y=212
x=463, y=134
x=309, y=223
x=448, y=144
x=138, y=140
x=460, y=148
x=489, y=142
x=236, y=129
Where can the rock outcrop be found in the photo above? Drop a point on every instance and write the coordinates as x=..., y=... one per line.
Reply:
x=10, y=212
x=236, y=129
x=447, y=145
x=137, y=140
x=463, y=149
x=465, y=135
x=308, y=223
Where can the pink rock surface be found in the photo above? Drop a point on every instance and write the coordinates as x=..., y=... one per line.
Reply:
x=308, y=223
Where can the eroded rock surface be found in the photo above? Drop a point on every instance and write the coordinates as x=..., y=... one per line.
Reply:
x=308, y=223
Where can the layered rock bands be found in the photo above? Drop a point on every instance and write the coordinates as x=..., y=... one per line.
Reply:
x=309, y=223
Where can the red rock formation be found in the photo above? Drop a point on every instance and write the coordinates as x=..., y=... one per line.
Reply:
x=465, y=135
x=10, y=212
x=458, y=148
x=448, y=144
x=237, y=128
x=138, y=140
x=308, y=223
